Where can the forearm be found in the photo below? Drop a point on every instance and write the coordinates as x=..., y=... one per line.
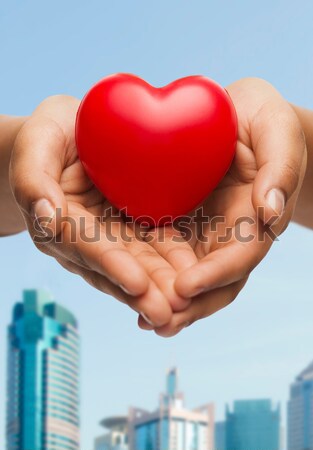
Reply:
x=304, y=209
x=11, y=220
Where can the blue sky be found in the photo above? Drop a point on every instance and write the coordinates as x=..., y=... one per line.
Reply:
x=256, y=346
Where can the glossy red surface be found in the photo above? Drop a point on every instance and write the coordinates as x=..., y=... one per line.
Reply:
x=156, y=151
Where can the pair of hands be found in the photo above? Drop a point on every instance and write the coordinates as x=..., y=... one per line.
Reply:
x=169, y=280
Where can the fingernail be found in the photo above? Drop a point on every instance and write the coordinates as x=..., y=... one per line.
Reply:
x=43, y=209
x=276, y=201
x=126, y=290
x=147, y=319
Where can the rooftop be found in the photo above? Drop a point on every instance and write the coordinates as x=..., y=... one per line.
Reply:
x=40, y=303
x=115, y=422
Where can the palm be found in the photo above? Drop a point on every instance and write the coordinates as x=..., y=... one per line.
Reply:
x=228, y=205
x=97, y=218
x=213, y=265
x=91, y=240
x=228, y=239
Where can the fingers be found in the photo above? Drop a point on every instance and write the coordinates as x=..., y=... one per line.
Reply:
x=43, y=148
x=280, y=151
x=228, y=264
x=201, y=307
x=38, y=162
x=171, y=246
x=149, y=305
x=88, y=241
x=108, y=260
x=36, y=167
x=171, y=254
x=161, y=272
x=94, y=279
x=144, y=325
x=278, y=143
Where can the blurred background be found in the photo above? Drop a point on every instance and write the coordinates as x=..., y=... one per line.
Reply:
x=254, y=348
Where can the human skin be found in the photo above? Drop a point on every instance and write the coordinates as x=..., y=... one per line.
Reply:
x=304, y=207
x=271, y=154
x=159, y=279
x=11, y=219
x=46, y=174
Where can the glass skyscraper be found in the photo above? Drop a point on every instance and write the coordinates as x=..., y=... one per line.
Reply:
x=172, y=426
x=43, y=376
x=253, y=425
x=300, y=412
x=220, y=436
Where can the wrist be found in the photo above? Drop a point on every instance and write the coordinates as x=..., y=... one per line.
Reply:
x=9, y=128
x=304, y=209
x=11, y=218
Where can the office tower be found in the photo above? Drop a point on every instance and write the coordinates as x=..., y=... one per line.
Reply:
x=43, y=376
x=117, y=436
x=220, y=436
x=172, y=426
x=253, y=425
x=300, y=411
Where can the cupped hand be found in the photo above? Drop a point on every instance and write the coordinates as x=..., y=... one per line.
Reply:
x=69, y=219
x=252, y=206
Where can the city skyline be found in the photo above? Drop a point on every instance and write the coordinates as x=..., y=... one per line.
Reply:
x=43, y=375
x=254, y=347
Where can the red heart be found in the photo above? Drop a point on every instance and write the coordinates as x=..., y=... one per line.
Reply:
x=156, y=152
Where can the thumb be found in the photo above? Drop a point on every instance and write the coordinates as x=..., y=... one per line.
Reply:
x=37, y=163
x=280, y=150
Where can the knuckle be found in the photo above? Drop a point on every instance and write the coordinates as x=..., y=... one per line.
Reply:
x=177, y=251
x=103, y=256
x=37, y=126
x=142, y=253
x=256, y=82
x=290, y=173
x=58, y=99
x=161, y=272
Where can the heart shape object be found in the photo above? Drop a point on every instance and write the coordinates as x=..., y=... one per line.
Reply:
x=156, y=153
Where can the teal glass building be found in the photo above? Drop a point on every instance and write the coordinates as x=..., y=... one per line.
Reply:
x=43, y=376
x=220, y=436
x=253, y=425
x=300, y=411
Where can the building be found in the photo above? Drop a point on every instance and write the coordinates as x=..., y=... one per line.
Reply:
x=43, y=376
x=253, y=425
x=172, y=426
x=300, y=411
x=117, y=436
x=220, y=436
